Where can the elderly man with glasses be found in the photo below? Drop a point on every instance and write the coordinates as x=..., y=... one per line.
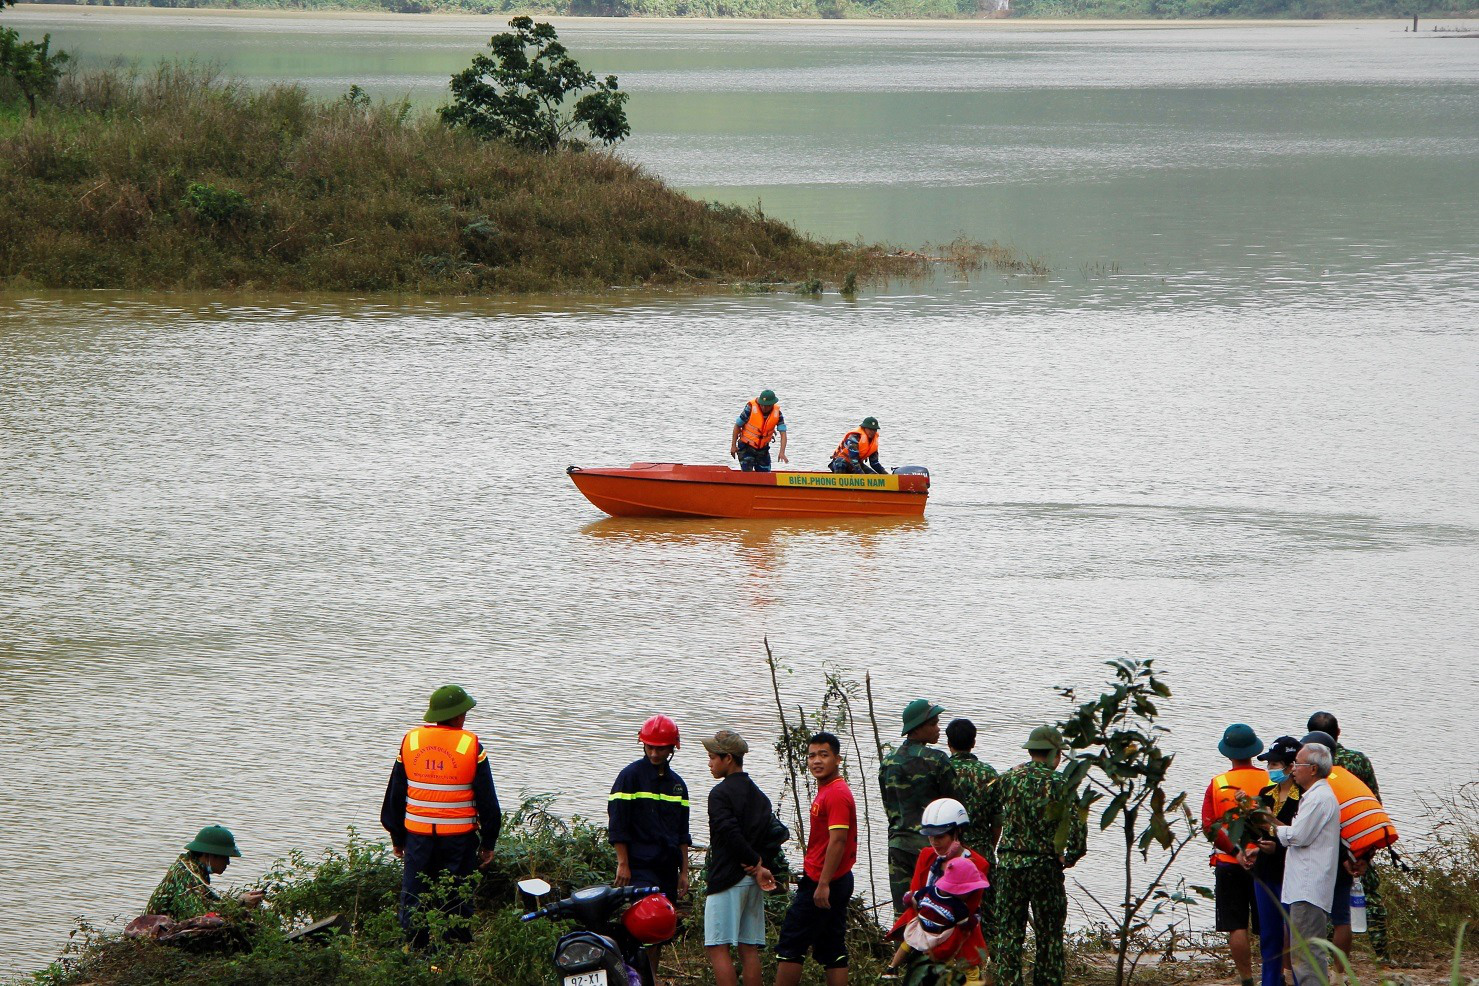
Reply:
x=1313, y=841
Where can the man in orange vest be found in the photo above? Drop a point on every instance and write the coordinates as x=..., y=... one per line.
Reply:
x=858, y=450
x=441, y=810
x=1232, y=884
x=759, y=421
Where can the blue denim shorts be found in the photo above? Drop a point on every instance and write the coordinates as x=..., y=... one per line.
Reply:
x=735, y=916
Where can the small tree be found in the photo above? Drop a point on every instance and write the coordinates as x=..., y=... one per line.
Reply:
x=517, y=93
x=31, y=65
x=1116, y=754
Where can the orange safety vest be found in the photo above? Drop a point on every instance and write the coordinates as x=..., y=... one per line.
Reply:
x=1251, y=781
x=1364, y=824
x=760, y=426
x=440, y=764
x=866, y=446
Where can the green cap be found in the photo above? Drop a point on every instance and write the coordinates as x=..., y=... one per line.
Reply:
x=448, y=702
x=919, y=712
x=1044, y=738
x=766, y=399
x=869, y=422
x=1240, y=742
x=216, y=840
x=726, y=741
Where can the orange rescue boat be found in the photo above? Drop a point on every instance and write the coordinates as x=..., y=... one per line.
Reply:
x=671, y=489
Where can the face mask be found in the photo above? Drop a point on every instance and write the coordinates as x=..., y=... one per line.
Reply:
x=1278, y=776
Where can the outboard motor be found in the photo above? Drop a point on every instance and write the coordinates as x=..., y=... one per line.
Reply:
x=605, y=951
x=913, y=471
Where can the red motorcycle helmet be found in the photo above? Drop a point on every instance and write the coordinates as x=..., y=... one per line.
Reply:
x=659, y=731
x=651, y=920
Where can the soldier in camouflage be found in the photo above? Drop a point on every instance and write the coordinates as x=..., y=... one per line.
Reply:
x=1029, y=874
x=909, y=779
x=186, y=891
x=1357, y=763
x=975, y=787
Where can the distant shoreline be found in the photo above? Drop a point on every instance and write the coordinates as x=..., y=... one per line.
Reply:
x=1013, y=23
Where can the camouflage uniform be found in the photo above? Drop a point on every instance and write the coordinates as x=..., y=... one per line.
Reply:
x=185, y=892
x=1029, y=876
x=909, y=779
x=1376, y=915
x=975, y=787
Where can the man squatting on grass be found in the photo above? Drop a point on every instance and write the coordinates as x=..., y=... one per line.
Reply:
x=739, y=820
x=816, y=921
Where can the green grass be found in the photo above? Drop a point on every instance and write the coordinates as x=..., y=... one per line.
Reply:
x=176, y=179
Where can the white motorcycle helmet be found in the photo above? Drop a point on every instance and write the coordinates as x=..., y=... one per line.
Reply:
x=943, y=816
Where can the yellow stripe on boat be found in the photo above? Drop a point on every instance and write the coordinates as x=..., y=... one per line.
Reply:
x=837, y=481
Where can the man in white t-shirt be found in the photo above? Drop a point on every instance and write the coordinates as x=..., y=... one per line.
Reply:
x=1313, y=839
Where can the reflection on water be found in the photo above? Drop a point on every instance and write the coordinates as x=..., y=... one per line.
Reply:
x=759, y=546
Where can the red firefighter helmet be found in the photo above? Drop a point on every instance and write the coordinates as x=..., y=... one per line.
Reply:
x=651, y=920
x=659, y=731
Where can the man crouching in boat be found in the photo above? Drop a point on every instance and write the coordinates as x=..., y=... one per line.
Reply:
x=759, y=421
x=858, y=450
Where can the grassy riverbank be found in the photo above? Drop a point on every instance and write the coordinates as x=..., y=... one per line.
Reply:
x=179, y=180
x=360, y=881
x=1427, y=904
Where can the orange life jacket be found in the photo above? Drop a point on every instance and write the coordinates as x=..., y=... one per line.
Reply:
x=1364, y=824
x=760, y=426
x=1225, y=787
x=866, y=446
x=440, y=764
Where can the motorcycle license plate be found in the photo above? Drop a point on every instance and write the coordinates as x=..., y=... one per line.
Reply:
x=595, y=978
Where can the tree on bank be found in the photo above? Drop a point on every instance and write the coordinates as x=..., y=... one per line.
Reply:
x=517, y=93
x=31, y=65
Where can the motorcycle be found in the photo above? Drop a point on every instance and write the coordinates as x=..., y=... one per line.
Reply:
x=605, y=949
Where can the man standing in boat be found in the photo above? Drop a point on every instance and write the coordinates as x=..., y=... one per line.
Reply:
x=858, y=450
x=759, y=421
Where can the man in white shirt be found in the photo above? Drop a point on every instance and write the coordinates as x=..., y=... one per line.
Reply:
x=1313, y=839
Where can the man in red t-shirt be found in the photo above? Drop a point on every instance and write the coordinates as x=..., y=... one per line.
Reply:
x=816, y=921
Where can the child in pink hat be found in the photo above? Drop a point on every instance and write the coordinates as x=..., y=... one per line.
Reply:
x=948, y=908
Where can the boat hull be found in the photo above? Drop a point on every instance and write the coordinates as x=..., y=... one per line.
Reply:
x=671, y=489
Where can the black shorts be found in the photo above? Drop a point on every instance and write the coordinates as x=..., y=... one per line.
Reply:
x=808, y=928
x=1236, y=909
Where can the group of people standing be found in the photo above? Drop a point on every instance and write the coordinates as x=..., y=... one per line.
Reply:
x=1287, y=848
x=760, y=422
x=973, y=854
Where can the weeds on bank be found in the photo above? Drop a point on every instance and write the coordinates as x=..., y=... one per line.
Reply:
x=1437, y=893
x=178, y=179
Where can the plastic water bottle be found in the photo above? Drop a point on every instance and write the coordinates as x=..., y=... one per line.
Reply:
x=1358, y=910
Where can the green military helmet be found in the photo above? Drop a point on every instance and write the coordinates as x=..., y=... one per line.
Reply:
x=917, y=713
x=214, y=840
x=448, y=702
x=1045, y=738
x=767, y=398
x=869, y=422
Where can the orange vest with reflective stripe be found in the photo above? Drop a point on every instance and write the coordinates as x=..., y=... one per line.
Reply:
x=866, y=446
x=1364, y=824
x=1249, y=780
x=440, y=764
x=760, y=426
